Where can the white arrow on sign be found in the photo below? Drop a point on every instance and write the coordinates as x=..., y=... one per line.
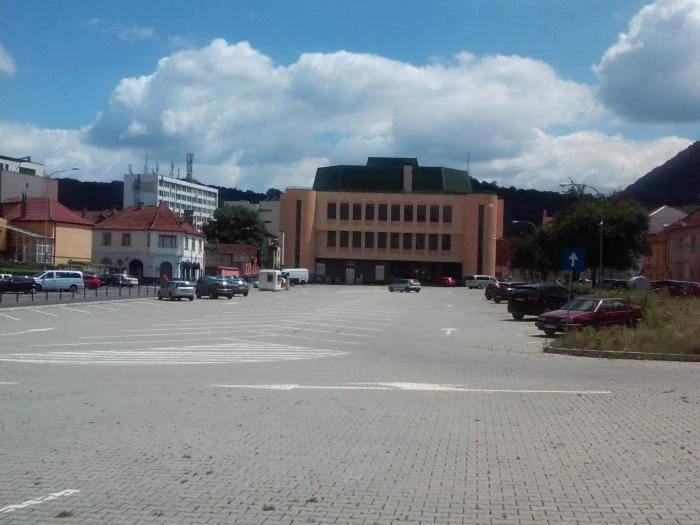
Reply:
x=573, y=258
x=448, y=331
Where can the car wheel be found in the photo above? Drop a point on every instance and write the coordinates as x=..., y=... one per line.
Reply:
x=391, y=289
x=245, y=294
x=199, y=295
x=73, y=288
x=160, y=297
x=213, y=296
x=171, y=297
x=418, y=291
x=191, y=298
x=496, y=300
x=230, y=297
x=518, y=317
x=550, y=333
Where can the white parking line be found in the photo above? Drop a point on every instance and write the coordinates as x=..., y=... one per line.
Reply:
x=38, y=501
x=9, y=317
x=8, y=383
x=309, y=338
x=42, y=312
x=288, y=323
x=104, y=307
x=32, y=330
x=74, y=309
x=335, y=333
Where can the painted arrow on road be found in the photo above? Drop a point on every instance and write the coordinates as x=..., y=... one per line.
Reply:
x=448, y=331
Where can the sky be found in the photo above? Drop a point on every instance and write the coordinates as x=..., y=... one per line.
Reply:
x=532, y=92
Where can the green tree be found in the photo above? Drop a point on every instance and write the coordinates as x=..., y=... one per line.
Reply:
x=535, y=252
x=236, y=224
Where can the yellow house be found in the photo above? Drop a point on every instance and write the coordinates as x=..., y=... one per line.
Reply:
x=41, y=230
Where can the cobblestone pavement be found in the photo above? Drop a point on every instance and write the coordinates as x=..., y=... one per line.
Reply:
x=333, y=405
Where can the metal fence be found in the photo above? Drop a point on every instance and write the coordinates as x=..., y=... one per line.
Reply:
x=103, y=293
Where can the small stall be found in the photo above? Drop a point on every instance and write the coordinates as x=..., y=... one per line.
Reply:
x=270, y=280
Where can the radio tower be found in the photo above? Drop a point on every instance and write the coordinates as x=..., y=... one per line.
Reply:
x=189, y=158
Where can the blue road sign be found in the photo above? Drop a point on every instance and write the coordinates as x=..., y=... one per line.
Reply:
x=573, y=259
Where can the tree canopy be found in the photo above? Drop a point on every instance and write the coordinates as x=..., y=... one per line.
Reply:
x=236, y=224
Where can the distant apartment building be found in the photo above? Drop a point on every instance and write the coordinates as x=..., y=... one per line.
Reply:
x=187, y=198
x=269, y=212
x=390, y=218
x=20, y=176
x=655, y=264
x=675, y=251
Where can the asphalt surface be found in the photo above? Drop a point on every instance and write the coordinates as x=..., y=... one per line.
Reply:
x=329, y=404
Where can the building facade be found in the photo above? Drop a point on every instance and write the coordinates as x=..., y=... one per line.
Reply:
x=269, y=212
x=21, y=176
x=243, y=257
x=390, y=218
x=675, y=251
x=185, y=197
x=149, y=241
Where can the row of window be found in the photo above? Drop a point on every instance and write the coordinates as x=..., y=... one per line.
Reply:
x=164, y=241
x=422, y=211
x=392, y=240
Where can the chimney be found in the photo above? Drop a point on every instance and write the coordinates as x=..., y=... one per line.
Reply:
x=408, y=177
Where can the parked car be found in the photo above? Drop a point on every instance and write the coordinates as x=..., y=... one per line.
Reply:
x=118, y=279
x=446, y=281
x=59, y=280
x=536, y=299
x=91, y=281
x=613, y=284
x=16, y=283
x=214, y=287
x=501, y=291
x=176, y=290
x=479, y=281
x=677, y=288
x=404, y=285
x=582, y=312
x=240, y=286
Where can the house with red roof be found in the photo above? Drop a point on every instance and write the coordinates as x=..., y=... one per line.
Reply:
x=149, y=241
x=42, y=230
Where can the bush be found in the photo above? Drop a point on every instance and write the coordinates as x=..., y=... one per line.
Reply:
x=669, y=325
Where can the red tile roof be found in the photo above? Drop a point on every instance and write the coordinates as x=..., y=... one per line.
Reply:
x=690, y=221
x=139, y=217
x=40, y=209
x=232, y=248
x=96, y=216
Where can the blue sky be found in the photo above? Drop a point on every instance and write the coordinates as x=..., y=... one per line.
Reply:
x=69, y=57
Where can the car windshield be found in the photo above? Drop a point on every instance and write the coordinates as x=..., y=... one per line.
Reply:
x=583, y=305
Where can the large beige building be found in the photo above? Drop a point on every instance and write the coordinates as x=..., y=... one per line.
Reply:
x=390, y=218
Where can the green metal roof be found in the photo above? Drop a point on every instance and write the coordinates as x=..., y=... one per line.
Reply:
x=385, y=174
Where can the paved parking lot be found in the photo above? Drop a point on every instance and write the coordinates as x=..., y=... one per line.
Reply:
x=332, y=405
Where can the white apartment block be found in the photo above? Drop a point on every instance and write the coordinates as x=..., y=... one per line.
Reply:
x=181, y=196
x=269, y=212
x=20, y=176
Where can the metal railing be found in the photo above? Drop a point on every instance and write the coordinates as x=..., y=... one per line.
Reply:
x=99, y=294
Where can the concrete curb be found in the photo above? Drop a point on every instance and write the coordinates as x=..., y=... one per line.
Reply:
x=606, y=354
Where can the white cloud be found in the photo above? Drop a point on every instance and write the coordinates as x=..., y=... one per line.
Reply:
x=7, y=63
x=652, y=71
x=257, y=124
x=126, y=32
x=604, y=161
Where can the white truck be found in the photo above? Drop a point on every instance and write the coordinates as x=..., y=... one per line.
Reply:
x=296, y=275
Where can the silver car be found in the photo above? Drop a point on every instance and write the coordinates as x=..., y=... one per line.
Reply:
x=404, y=285
x=176, y=290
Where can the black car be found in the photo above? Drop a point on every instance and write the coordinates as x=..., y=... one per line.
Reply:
x=16, y=283
x=501, y=291
x=536, y=299
x=613, y=284
x=214, y=287
x=240, y=286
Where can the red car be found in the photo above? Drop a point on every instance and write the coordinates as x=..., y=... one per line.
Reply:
x=91, y=282
x=582, y=312
x=446, y=281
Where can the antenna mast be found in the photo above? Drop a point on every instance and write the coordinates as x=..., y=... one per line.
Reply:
x=189, y=158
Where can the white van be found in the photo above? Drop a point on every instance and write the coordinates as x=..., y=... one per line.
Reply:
x=479, y=281
x=296, y=275
x=59, y=280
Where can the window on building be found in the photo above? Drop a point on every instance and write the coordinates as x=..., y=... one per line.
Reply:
x=330, y=240
x=357, y=239
x=446, y=243
x=420, y=213
x=167, y=241
x=433, y=241
x=434, y=213
x=447, y=213
x=369, y=211
x=395, y=212
x=126, y=239
x=331, y=211
x=344, y=238
x=369, y=240
x=344, y=211
x=356, y=211
x=407, y=241
x=382, y=212
x=381, y=240
x=420, y=241
x=106, y=239
x=408, y=212
x=395, y=241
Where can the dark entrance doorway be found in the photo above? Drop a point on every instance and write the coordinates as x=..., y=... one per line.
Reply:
x=166, y=270
x=136, y=268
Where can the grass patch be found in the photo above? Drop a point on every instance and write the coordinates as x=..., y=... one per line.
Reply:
x=669, y=326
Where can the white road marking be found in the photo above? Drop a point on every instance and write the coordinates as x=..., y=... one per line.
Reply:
x=9, y=317
x=38, y=501
x=74, y=309
x=36, y=311
x=229, y=353
x=448, y=331
x=289, y=323
x=8, y=382
x=268, y=334
x=104, y=307
x=28, y=331
x=334, y=332
x=449, y=306
x=408, y=387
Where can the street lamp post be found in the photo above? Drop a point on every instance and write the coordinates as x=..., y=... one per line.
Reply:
x=601, y=224
x=48, y=210
x=534, y=232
